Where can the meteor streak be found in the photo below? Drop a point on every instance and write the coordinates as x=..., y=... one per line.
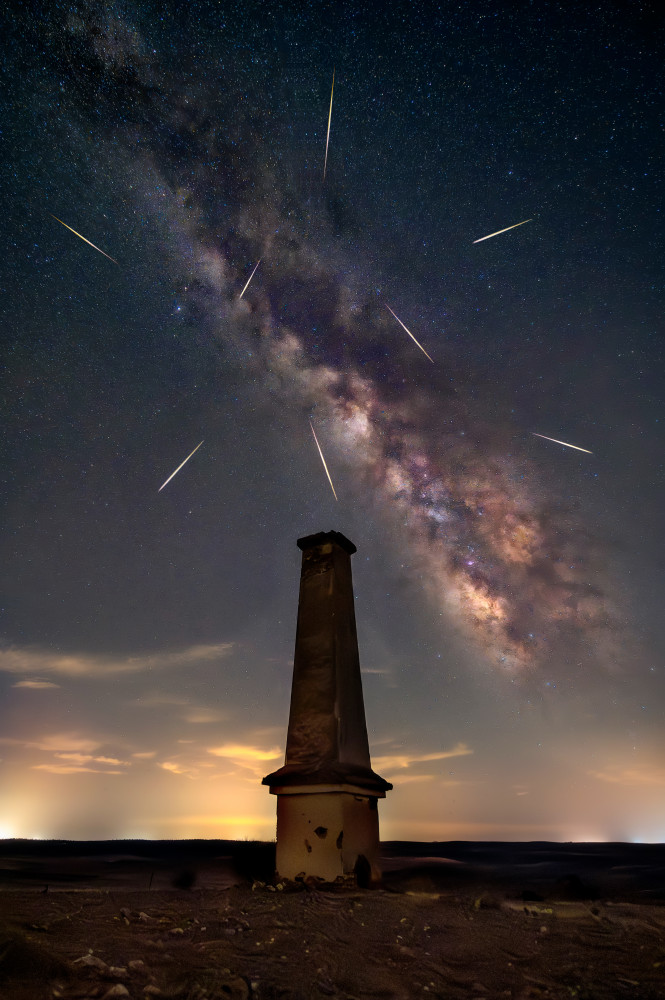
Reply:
x=565, y=443
x=502, y=231
x=249, y=279
x=322, y=459
x=325, y=164
x=408, y=331
x=82, y=238
x=179, y=467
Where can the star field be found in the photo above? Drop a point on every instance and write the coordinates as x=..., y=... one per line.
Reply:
x=508, y=589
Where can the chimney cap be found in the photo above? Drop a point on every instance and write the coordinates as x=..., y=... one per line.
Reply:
x=321, y=537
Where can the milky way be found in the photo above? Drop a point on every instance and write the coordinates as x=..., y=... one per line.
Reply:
x=508, y=588
x=487, y=543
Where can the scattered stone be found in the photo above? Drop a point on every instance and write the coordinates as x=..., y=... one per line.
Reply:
x=197, y=993
x=152, y=991
x=117, y=971
x=116, y=991
x=137, y=965
x=91, y=961
x=175, y=931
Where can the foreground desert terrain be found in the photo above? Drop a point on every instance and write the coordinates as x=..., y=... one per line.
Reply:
x=436, y=928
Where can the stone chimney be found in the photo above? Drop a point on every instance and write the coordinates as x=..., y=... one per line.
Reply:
x=327, y=792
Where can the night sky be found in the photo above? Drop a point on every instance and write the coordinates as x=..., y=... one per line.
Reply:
x=509, y=590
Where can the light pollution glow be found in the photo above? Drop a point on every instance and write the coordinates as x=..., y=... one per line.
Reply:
x=174, y=805
x=79, y=784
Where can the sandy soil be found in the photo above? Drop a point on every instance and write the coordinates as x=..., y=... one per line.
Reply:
x=421, y=937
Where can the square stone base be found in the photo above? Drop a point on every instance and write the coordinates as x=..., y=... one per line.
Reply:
x=327, y=832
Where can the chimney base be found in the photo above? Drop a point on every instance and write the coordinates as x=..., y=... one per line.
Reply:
x=327, y=832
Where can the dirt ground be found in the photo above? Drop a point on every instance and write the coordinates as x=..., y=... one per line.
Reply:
x=264, y=942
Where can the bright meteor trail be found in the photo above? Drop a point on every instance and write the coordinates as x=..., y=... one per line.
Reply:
x=249, y=279
x=325, y=164
x=82, y=238
x=179, y=467
x=497, y=233
x=323, y=460
x=409, y=332
x=565, y=443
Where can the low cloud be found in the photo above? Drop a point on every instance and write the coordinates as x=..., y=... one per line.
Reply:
x=243, y=754
x=71, y=742
x=71, y=753
x=408, y=779
x=617, y=774
x=389, y=762
x=74, y=752
x=175, y=768
x=32, y=660
x=187, y=769
x=83, y=758
x=200, y=716
x=35, y=685
x=71, y=769
x=251, y=758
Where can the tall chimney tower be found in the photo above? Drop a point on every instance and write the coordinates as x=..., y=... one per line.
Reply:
x=327, y=792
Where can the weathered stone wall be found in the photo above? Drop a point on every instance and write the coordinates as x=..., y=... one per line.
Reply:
x=327, y=716
x=327, y=835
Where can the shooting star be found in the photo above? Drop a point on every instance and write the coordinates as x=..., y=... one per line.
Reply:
x=408, y=331
x=325, y=164
x=323, y=460
x=179, y=467
x=499, y=231
x=249, y=279
x=564, y=443
x=83, y=238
